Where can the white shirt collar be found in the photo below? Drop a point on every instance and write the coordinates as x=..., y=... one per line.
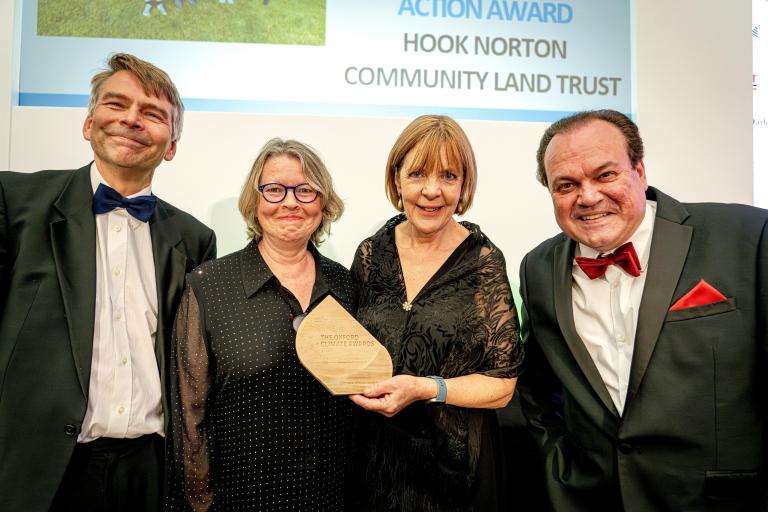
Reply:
x=641, y=238
x=97, y=178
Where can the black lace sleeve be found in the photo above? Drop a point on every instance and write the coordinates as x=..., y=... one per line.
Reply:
x=191, y=384
x=361, y=264
x=495, y=308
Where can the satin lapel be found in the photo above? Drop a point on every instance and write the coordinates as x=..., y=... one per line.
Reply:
x=669, y=248
x=170, y=271
x=73, y=240
x=563, y=264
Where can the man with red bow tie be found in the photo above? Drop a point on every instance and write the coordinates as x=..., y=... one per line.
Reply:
x=647, y=334
x=92, y=268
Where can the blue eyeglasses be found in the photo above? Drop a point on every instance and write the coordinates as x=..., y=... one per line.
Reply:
x=276, y=192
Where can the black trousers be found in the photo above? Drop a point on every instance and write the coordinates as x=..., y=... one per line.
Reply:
x=113, y=475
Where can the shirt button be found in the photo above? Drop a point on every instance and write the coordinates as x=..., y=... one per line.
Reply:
x=117, y=229
x=615, y=285
x=125, y=360
x=116, y=271
x=118, y=316
x=620, y=338
x=121, y=409
x=70, y=429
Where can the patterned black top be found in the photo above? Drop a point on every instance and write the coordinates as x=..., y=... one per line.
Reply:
x=252, y=429
x=462, y=322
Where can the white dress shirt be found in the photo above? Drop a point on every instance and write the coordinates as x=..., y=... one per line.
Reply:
x=124, y=394
x=605, y=310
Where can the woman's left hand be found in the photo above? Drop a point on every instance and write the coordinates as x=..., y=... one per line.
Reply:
x=391, y=396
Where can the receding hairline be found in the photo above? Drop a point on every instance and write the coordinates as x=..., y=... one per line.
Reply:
x=583, y=122
x=154, y=82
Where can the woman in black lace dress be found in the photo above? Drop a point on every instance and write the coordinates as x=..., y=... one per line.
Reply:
x=252, y=429
x=435, y=292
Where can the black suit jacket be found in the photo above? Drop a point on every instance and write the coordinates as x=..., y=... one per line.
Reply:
x=692, y=435
x=47, y=305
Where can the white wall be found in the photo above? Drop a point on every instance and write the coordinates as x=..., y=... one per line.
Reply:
x=694, y=60
x=693, y=65
x=7, y=71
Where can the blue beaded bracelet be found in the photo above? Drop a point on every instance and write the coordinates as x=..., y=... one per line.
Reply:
x=442, y=390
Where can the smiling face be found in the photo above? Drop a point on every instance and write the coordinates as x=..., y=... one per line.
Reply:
x=598, y=195
x=430, y=196
x=129, y=130
x=288, y=220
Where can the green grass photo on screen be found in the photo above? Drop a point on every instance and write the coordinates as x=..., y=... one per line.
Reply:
x=238, y=21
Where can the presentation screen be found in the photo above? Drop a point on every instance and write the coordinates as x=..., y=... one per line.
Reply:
x=505, y=60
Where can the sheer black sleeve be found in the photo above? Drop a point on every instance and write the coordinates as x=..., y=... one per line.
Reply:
x=191, y=386
x=498, y=324
x=360, y=265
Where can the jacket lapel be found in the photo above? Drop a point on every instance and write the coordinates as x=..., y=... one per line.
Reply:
x=170, y=272
x=562, y=271
x=73, y=241
x=669, y=249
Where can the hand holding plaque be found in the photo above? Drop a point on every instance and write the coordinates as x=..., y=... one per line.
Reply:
x=339, y=352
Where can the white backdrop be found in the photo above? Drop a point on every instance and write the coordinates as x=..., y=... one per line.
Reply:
x=693, y=100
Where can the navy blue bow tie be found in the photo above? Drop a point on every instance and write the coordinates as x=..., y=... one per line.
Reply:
x=107, y=199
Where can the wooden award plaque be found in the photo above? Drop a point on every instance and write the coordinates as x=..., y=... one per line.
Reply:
x=339, y=352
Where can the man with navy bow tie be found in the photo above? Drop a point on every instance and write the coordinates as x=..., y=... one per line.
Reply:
x=646, y=327
x=92, y=267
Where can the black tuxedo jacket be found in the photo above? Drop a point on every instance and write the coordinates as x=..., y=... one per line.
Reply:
x=47, y=305
x=693, y=433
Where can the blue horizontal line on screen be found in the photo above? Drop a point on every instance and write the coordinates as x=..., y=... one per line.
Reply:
x=30, y=99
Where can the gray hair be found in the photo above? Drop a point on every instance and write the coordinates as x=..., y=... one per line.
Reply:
x=314, y=171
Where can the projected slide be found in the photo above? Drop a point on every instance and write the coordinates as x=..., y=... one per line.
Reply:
x=473, y=59
x=241, y=21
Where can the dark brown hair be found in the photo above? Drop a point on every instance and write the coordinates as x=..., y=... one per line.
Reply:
x=626, y=126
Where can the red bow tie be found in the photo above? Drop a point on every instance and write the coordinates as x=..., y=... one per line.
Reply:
x=625, y=257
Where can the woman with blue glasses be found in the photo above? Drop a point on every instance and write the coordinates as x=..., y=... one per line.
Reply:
x=253, y=430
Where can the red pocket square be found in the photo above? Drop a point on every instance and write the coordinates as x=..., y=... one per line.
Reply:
x=702, y=293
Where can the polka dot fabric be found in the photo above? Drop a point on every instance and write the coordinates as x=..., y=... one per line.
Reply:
x=253, y=430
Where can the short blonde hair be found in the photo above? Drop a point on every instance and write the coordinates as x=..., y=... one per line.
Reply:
x=153, y=80
x=315, y=173
x=427, y=136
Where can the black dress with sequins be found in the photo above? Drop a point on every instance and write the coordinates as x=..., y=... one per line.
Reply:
x=431, y=457
x=252, y=429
